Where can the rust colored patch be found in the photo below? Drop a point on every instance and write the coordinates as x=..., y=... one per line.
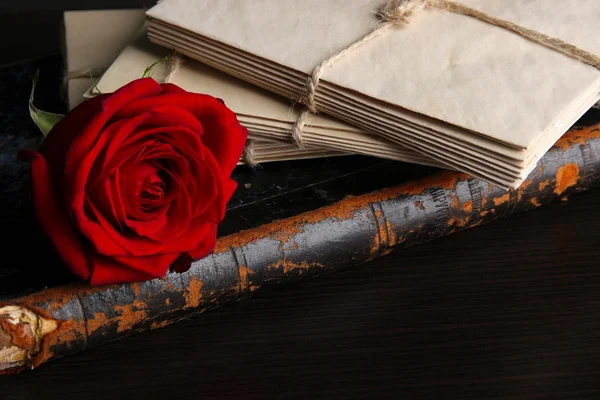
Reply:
x=535, y=202
x=521, y=190
x=294, y=246
x=566, y=176
x=139, y=304
x=285, y=229
x=292, y=267
x=193, y=293
x=565, y=199
x=253, y=288
x=543, y=185
x=526, y=183
x=501, y=199
x=21, y=334
x=99, y=320
x=578, y=136
x=60, y=295
x=455, y=201
x=458, y=222
x=463, y=222
x=483, y=213
x=244, y=272
x=374, y=246
x=419, y=205
x=136, y=287
x=157, y=325
x=129, y=317
x=168, y=301
x=393, y=239
x=468, y=206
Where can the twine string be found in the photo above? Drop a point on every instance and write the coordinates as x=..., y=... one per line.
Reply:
x=248, y=156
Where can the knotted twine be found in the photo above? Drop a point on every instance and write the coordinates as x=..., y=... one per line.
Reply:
x=398, y=12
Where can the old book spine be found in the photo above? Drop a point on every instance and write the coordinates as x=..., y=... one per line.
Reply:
x=64, y=320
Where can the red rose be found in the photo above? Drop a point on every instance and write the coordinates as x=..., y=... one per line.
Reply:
x=129, y=183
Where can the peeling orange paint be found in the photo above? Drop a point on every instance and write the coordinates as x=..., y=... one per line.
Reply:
x=375, y=245
x=525, y=184
x=501, y=199
x=244, y=272
x=136, y=287
x=468, y=206
x=290, y=266
x=193, y=293
x=455, y=201
x=157, y=325
x=535, y=202
x=566, y=176
x=392, y=238
x=543, y=185
x=97, y=322
x=577, y=136
x=463, y=222
x=419, y=205
x=129, y=317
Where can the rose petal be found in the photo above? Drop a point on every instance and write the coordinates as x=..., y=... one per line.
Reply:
x=171, y=88
x=156, y=265
x=77, y=171
x=110, y=242
x=103, y=152
x=162, y=113
x=56, y=145
x=224, y=136
x=197, y=233
x=53, y=219
x=107, y=271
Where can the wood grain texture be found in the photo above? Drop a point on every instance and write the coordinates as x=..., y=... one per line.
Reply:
x=503, y=311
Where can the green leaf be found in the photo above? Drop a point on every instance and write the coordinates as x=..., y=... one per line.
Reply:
x=43, y=119
x=149, y=68
x=94, y=84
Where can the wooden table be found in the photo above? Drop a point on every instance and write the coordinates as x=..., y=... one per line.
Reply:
x=507, y=310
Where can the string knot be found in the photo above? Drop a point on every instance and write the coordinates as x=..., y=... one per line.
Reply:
x=298, y=128
x=394, y=13
x=249, y=154
x=399, y=11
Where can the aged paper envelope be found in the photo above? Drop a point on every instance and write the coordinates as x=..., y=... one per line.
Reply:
x=91, y=41
x=441, y=77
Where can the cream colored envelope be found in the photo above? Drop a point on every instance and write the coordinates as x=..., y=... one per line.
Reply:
x=265, y=115
x=474, y=96
x=91, y=41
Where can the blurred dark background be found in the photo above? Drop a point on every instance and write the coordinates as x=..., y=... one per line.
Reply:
x=28, y=28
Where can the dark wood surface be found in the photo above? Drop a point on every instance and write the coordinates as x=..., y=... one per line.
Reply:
x=508, y=310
